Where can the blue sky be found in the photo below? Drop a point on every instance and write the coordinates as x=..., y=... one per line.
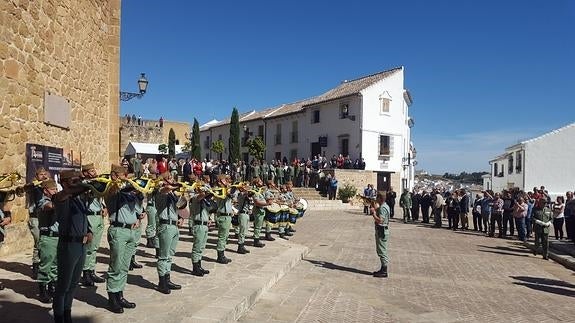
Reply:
x=483, y=74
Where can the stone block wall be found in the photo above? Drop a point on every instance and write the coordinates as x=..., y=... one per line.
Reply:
x=71, y=49
x=149, y=131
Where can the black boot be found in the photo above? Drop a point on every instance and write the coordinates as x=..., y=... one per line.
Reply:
x=222, y=259
x=1, y=286
x=258, y=244
x=172, y=285
x=87, y=279
x=134, y=264
x=150, y=243
x=58, y=318
x=287, y=232
x=43, y=294
x=381, y=273
x=291, y=229
x=163, y=285
x=68, y=316
x=269, y=236
x=157, y=253
x=283, y=236
x=196, y=271
x=114, y=303
x=124, y=302
x=242, y=250
x=95, y=278
x=202, y=269
x=35, y=267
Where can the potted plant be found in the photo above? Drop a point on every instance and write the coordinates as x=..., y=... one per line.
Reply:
x=346, y=192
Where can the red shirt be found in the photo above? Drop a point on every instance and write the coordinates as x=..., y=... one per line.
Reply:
x=162, y=167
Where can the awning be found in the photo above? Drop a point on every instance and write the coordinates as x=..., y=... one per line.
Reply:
x=146, y=149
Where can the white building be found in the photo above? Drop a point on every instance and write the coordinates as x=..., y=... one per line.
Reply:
x=364, y=118
x=545, y=160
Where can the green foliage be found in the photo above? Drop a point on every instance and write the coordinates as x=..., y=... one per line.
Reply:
x=172, y=143
x=163, y=148
x=465, y=177
x=196, y=146
x=217, y=147
x=234, y=143
x=346, y=192
x=257, y=148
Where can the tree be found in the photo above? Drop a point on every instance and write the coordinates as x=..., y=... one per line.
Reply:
x=196, y=146
x=218, y=148
x=234, y=141
x=172, y=143
x=163, y=148
x=257, y=148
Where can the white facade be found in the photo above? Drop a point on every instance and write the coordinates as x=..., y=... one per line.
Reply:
x=545, y=160
x=364, y=118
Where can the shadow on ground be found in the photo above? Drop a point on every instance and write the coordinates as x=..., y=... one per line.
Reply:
x=546, y=285
x=330, y=265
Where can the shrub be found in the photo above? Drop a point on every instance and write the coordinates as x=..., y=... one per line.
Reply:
x=346, y=192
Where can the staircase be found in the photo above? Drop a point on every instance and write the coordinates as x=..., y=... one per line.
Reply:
x=316, y=201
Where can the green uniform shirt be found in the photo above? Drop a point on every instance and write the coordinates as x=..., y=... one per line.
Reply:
x=259, y=198
x=123, y=207
x=47, y=219
x=95, y=204
x=383, y=212
x=198, y=209
x=225, y=205
x=166, y=206
x=244, y=203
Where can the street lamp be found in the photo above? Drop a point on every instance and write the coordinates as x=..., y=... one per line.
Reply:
x=142, y=87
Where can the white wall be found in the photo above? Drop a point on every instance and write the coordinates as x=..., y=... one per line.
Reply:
x=549, y=162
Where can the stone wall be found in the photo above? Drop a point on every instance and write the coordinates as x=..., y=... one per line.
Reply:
x=149, y=131
x=71, y=49
x=354, y=177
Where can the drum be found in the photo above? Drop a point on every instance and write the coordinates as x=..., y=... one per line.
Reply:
x=284, y=213
x=293, y=215
x=301, y=206
x=272, y=213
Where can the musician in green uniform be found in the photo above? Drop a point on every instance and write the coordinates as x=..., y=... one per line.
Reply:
x=199, y=217
x=34, y=194
x=265, y=171
x=381, y=219
x=124, y=205
x=224, y=219
x=48, y=244
x=96, y=214
x=283, y=200
x=259, y=212
x=152, y=216
x=5, y=219
x=279, y=174
x=73, y=234
x=168, y=233
x=244, y=198
x=291, y=200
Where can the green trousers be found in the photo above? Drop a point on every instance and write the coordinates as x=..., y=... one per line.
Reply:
x=200, y=233
x=259, y=222
x=122, y=247
x=70, y=263
x=243, y=220
x=47, y=251
x=35, y=230
x=152, y=224
x=224, y=223
x=541, y=239
x=97, y=227
x=168, y=235
x=381, y=245
x=137, y=232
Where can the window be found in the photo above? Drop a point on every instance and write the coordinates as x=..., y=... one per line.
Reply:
x=519, y=157
x=344, y=111
x=315, y=116
x=261, y=131
x=278, y=138
x=384, y=105
x=510, y=164
x=384, y=145
x=278, y=155
x=294, y=134
x=207, y=142
x=495, y=173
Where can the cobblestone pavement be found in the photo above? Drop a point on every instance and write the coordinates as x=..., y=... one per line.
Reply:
x=436, y=275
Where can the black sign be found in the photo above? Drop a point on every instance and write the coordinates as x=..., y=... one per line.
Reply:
x=323, y=141
x=53, y=159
